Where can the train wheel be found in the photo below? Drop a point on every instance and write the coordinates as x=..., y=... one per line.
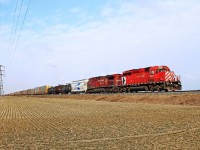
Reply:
x=151, y=88
x=146, y=88
x=158, y=88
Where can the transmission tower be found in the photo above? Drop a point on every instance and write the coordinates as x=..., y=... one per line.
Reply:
x=2, y=73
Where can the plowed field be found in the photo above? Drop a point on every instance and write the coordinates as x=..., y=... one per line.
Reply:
x=100, y=122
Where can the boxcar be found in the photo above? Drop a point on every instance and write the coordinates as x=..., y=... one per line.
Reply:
x=41, y=90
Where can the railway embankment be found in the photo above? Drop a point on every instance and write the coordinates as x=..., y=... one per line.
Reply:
x=190, y=98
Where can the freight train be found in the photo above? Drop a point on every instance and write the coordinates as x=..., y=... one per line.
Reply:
x=154, y=78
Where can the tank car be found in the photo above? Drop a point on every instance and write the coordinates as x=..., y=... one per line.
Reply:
x=56, y=89
x=66, y=89
x=51, y=90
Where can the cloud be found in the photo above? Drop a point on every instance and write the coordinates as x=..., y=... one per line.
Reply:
x=76, y=10
x=79, y=14
x=4, y=1
x=52, y=65
x=107, y=12
x=137, y=35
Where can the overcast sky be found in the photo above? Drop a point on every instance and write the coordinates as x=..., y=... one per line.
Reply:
x=66, y=40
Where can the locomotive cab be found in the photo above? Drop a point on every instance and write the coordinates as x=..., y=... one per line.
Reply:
x=157, y=73
x=164, y=78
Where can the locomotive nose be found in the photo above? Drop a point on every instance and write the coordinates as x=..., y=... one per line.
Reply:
x=169, y=76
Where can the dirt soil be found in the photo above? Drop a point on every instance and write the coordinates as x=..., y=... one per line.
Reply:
x=192, y=99
x=92, y=122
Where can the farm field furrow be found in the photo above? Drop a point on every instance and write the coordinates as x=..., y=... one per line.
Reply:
x=71, y=123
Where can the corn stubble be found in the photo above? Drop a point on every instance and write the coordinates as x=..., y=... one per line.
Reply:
x=68, y=123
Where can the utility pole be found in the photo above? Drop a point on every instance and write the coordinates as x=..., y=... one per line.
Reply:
x=2, y=73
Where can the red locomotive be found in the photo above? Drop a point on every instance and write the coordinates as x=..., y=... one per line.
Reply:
x=155, y=78
x=109, y=83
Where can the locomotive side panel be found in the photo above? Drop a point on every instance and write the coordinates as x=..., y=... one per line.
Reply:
x=135, y=77
x=109, y=83
x=98, y=82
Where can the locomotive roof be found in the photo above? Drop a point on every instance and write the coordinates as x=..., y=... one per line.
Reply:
x=145, y=69
x=111, y=75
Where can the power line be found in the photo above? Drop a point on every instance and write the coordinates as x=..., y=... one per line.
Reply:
x=15, y=31
x=13, y=22
x=20, y=31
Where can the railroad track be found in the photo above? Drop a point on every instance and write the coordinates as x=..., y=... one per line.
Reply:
x=187, y=91
x=140, y=93
x=170, y=92
x=151, y=93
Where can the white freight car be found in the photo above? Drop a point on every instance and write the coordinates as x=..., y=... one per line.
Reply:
x=79, y=86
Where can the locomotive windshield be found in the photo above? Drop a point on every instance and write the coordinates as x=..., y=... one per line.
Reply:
x=162, y=70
